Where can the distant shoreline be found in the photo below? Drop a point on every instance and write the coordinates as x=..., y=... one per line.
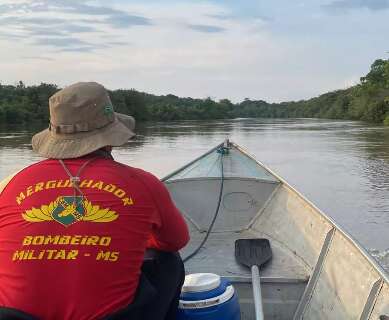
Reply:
x=366, y=101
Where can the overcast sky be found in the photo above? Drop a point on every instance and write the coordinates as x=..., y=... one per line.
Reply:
x=274, y=50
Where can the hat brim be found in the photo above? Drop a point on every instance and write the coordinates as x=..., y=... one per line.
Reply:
x=63, y=146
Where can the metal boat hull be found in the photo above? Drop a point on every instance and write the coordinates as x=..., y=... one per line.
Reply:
x=317, y=272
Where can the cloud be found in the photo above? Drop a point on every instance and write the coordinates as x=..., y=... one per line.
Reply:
x=64, y=42
x=44, y=32
x=117, y=43
x=39, y=21
x=342, y=6
x=80, y=8
x=77, y=28
x=127, y=20
x=46, y=26
x=89, y=48
x=226, y=17
x=63, y=22
x=206, y=28
x=41, y=58
x=114, y=17
x=70, y=44
x=11, y=36
x=221, y=16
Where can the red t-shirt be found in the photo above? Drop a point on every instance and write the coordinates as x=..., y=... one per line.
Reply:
x=79, y=257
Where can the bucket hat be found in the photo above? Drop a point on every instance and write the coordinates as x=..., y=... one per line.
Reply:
x=82, y=120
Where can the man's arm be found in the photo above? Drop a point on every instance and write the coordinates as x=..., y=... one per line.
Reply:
x=172, y=234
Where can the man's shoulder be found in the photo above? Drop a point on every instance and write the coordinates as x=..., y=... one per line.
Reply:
x=29, y=168
x=137, y=172
x=19, y=174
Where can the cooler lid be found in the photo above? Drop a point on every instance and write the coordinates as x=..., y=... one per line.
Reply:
x=198, y=282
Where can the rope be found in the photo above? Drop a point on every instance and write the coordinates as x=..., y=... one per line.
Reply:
x=75, y=180
x=222, y=152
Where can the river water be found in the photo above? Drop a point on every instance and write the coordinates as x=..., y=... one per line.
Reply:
x=341, y=166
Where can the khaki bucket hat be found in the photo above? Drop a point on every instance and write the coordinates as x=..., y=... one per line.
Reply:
x=82, y=120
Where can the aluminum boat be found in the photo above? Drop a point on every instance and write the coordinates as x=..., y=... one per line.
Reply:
x=318, y=271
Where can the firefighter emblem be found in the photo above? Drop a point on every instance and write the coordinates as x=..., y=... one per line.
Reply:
x=67, y=210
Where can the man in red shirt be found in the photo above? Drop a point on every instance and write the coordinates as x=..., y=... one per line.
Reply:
x=74, y=228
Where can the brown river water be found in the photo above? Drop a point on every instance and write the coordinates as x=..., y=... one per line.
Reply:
x=341, y=166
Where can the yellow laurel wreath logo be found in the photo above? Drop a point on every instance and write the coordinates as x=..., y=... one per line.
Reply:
x=95, y=214
x=92, y=213
x=42, y=214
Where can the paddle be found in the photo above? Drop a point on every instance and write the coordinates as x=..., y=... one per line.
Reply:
x=253, y=253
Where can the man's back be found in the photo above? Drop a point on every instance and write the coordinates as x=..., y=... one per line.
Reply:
x=72, y=255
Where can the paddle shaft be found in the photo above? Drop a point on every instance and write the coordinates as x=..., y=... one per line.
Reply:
x=256, y=282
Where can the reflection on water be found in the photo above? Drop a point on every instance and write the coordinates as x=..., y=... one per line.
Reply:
x=341, y=166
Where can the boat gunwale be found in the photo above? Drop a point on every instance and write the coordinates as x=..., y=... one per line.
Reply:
x=225, y=178
x=381, y=271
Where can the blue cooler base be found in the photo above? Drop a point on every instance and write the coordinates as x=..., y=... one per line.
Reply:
x=228, y=310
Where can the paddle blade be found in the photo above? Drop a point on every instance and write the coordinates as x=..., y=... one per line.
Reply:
x=251, y=252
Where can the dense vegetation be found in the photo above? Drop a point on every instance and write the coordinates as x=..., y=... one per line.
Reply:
x=368, y=101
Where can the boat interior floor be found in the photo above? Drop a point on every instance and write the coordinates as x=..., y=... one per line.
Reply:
x=217, y=256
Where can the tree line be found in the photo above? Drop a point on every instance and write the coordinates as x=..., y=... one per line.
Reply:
x=367, y=101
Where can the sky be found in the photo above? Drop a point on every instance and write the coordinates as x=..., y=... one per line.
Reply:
x=277, y=50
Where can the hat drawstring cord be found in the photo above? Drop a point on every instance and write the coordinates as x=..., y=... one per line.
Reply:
x=75, y=180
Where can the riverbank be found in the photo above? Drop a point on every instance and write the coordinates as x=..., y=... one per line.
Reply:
x=366, y=101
